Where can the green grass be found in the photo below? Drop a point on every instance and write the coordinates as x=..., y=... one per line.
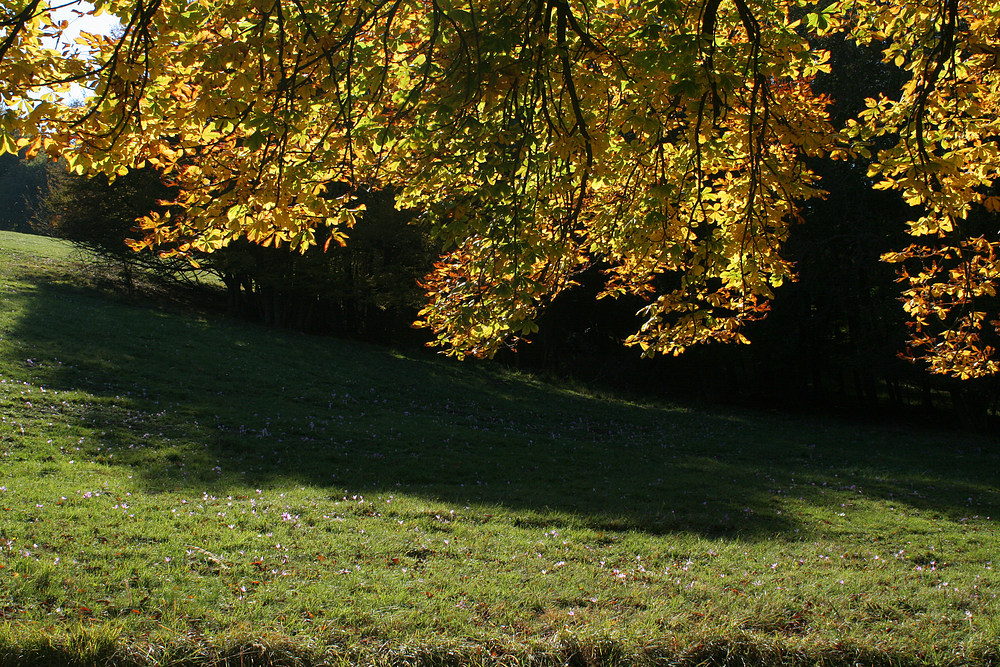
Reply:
x=182, y=489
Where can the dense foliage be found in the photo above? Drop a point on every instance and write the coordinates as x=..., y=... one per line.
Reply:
x=23, y=183
x=670, y=143
x=367, y=288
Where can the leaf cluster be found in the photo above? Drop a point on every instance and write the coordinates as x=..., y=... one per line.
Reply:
x=666, y=141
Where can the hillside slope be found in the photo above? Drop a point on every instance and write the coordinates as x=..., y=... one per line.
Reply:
x=179, y=487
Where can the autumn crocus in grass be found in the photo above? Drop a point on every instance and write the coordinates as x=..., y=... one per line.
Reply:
x=625, y=529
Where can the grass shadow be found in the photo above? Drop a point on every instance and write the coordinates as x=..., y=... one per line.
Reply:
x=212, y=404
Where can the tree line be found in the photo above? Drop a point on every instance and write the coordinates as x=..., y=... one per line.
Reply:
x=673, y=144
x=692, y=160
x=835, y=349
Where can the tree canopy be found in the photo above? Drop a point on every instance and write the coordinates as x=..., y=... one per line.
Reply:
x=668, y=142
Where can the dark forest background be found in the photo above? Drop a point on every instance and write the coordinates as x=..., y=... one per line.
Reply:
x=831, y=342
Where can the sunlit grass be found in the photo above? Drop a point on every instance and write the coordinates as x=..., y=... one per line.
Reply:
x=177, y=486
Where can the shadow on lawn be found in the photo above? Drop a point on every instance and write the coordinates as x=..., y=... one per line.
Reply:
x=227, y=407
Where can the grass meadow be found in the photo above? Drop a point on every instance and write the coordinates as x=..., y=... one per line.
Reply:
x=180, y=489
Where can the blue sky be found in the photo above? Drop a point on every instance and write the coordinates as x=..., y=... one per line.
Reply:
x=102, y=24
x=64, y=11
